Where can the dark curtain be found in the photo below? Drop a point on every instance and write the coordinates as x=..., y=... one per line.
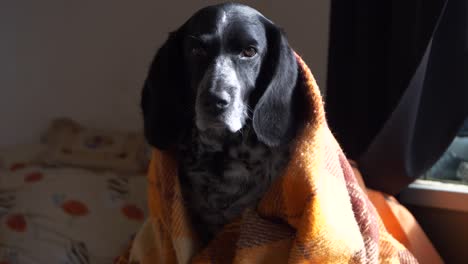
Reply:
x=397, y=86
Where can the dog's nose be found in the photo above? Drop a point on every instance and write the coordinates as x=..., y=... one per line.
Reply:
x=217, y=101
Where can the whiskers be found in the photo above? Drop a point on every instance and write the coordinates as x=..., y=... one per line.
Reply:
x=249, y=111
x=241, y=131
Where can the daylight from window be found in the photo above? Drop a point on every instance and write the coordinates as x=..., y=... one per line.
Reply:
x=453, y=165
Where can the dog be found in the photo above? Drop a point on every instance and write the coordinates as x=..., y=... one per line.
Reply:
x=222, y=95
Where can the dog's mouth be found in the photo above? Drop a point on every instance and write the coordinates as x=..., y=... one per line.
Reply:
x=210, y=123
x=215, y=134
x=221, y=123
x=230, y=120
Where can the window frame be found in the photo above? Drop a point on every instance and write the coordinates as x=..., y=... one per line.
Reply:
x=436, y=194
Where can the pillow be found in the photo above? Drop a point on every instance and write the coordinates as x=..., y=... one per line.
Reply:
x=71, y=144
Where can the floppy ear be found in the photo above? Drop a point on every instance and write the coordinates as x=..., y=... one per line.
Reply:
x=164, y=96
x=273, y=118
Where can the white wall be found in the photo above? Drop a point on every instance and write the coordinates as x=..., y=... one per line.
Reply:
x=88, y=59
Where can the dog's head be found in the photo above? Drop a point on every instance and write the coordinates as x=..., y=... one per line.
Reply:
x=227, y=64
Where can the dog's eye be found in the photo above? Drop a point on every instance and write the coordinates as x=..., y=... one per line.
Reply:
x=249, y=52
x=198, y=51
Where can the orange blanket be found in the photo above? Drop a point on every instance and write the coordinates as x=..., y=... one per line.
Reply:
x=315, y=213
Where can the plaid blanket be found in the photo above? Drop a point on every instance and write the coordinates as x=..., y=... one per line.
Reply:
x=315, y=213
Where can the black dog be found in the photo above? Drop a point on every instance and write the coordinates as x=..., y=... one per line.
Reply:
x=222, y=94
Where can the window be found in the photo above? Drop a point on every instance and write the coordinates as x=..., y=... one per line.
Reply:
x=452, y=167
x=445, y=184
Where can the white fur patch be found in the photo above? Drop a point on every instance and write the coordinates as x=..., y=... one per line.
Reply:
x=225, y=78
x=223, y=18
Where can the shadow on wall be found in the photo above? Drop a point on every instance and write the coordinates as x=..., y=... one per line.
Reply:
x=87, y=60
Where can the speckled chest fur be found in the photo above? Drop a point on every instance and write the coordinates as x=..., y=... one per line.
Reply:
x=222, y=176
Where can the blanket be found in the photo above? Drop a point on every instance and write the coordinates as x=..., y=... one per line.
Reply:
x=316, y=212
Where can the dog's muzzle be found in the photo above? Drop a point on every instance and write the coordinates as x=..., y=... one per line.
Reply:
x=220, y=105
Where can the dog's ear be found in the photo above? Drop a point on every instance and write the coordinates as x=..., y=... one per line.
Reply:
x=273, y=118
x=163, y=98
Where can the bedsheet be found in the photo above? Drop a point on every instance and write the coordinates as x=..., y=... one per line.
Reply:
x=66, y=215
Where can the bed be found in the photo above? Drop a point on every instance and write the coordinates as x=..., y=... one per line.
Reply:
x=83, y=207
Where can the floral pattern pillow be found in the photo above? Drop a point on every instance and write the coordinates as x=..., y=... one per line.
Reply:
x=67, y=215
